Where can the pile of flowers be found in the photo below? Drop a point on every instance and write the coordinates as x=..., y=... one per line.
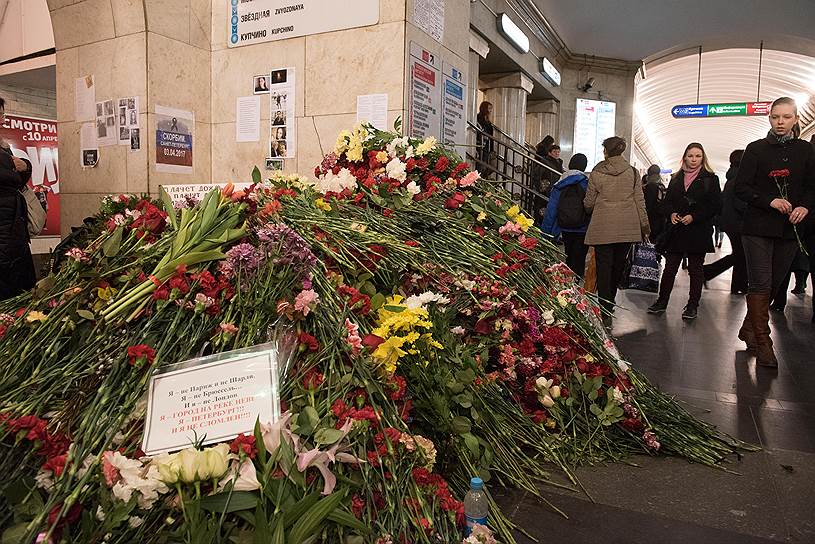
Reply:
x=438, y=337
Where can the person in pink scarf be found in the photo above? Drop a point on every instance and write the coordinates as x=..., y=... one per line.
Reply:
x=693, y=199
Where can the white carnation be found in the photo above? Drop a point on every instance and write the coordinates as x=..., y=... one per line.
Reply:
x=413, y=188
x=336, y=183
x=396, y=169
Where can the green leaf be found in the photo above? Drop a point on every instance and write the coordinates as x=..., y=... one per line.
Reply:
x=465, y=376
x=460, y=425
x=167, y=203
x=341, y=516
x=113, y=244
x=240, y=500
x=308, y=524
x=15, y=534
x=261, y=447
x=327, y=436
x=377, y=301
x=395, y=309
x=455, y=387
x=595, y=410
x=299, y=509
x=85, y=314
x=472, y=444
x=256, y=176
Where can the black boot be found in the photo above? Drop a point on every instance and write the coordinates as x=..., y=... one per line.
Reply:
x=658, y=307
x=690, y=312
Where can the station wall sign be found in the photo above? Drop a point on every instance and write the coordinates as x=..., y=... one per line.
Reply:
x=257, y=21
x=685, y=111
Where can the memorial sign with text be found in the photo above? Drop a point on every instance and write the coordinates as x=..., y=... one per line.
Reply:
x=257, y=21
x=211, y=400
x=425, y=93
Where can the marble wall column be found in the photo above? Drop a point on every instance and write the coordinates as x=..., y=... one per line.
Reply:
x=508, y=94
x=542, y=118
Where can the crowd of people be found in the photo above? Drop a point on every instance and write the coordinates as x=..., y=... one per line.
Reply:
x=763, y=209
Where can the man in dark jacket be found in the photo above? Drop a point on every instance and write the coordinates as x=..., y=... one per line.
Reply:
x=654, y=191
x=730, y=221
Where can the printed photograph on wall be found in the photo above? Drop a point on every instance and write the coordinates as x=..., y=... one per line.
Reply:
x=274, y=164
x=261, y=84
x=281, y=119
x=174, y=140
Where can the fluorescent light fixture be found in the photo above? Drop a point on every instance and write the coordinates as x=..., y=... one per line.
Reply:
x=513, y=33
x=801, y=99
x=549, y=71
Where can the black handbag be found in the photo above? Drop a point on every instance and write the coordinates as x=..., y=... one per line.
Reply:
x=664, y=238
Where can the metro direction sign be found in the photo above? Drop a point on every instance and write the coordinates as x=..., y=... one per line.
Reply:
x=685, y=111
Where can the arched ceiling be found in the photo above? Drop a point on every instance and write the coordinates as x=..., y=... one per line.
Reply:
x=642, y=29
x=728, y=75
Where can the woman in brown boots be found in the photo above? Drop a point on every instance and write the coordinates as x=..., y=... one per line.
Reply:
x=777, y=181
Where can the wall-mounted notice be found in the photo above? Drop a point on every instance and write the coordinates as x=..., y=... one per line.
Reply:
x=593, y=123
x=36, y=140
x=256, y=21
x=425, y=93
x=454, y=119
x=247, y=119
x=174, y=137
x=373, y=109
x=218, y=399
x=281, y=99
x=127, y=120
x=84, y=99
x=88, y=151
x=429, y=16
x=106, y=133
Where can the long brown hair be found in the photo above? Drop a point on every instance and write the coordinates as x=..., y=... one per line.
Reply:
x=484, y=110
x=696, y=145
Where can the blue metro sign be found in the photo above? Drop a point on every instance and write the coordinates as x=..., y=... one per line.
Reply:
x=689, y=110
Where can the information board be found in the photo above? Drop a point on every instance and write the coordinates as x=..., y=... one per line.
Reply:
x=425, y=93
x=454, y=124
x=257, y=21
x=594, y=121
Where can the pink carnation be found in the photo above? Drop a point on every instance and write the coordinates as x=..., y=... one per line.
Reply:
x=110, y=472
x=510, y=228
x=354, y=340
x=305, y=301
x=469, y=179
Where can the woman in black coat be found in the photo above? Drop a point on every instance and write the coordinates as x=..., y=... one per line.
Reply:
x=692, y=201
x=777, y=180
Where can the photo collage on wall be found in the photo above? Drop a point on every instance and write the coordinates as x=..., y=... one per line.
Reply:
x=280, y=86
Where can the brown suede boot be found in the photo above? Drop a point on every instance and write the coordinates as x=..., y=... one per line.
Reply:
x=746, y=333
x=758, y=308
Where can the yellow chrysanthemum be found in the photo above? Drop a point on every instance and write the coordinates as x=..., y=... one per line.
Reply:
x=513, y=212
x=35, y=316
x=322, y=204
x=382, y=157
x=481, y=216
x=342, y=142
x=426, y=146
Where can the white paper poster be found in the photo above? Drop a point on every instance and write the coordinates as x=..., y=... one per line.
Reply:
x=282, y=131
x=84, y=99
x=594, y=121
x=256, y=21
x=247, y=119
x=127, y=120
x=454, y=118
x=429, y=16
x=88, y=150
x=174, y=140
x=373, y=109
x=218, y=399
x=106, y=133
x=425, y=93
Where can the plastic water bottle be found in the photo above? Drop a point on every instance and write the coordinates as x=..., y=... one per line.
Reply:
x=476, y=508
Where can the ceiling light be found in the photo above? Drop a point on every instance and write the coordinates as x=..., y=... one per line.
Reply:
x=801, y=99
x=513, y=33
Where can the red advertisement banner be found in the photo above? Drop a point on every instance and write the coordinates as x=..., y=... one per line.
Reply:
x=36, y=140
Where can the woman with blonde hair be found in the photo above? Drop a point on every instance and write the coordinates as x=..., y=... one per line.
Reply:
x=693, y=199
x=777, y=180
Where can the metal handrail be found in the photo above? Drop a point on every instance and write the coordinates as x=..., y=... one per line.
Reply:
x=518, y=148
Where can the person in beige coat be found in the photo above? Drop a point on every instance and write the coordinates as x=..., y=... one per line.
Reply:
x=618, y=218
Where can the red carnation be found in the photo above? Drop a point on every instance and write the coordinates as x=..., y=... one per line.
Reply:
x=308, y=342
x=782, y=173
x=313, y=379
x=441, y=164
x=244, y=443
x=140, y=354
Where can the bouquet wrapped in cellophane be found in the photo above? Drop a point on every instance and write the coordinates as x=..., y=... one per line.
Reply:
x=438, y=337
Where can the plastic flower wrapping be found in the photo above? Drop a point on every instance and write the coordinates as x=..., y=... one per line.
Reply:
x=438, y=337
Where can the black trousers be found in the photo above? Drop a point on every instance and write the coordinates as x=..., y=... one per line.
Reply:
x=768, y=261
x=738, y=281
x=576, y=251
x=696, y=270
x=610, y=259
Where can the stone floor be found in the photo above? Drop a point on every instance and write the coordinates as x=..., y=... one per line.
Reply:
x=668, y=500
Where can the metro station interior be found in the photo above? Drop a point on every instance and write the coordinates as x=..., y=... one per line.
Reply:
x=658, y=74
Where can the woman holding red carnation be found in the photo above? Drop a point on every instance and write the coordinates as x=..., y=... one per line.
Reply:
x=777, y=180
